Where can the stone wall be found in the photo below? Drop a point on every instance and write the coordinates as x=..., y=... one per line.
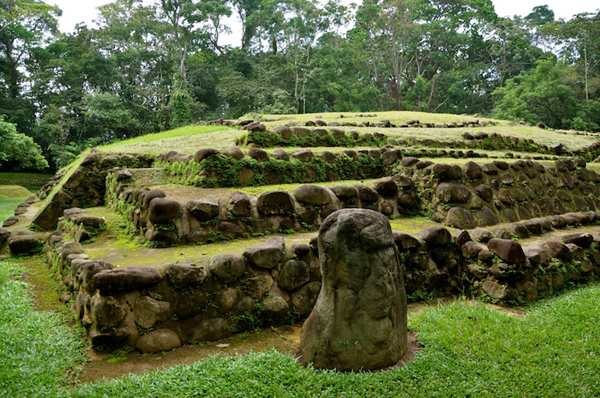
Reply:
x=84, y=187
x=486, y=194
x=159, y=308
x=210, y=167
x=166, y=222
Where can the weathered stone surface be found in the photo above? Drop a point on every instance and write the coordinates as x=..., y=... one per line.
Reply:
x=508, y=250
x=227, y=267
x=267, y=255
x=486, y=193
x=436, y=236
x=275, y=203
x=239, y=205
x=183, y=276
x=471, y=249
x=459, y=217
x=482, y=235
x=234, y=152
x=85, y=270
x=225, y=299
x=359, y=320
x=406, y=242
x=158, y=341
x=275, y=306
x=47, y=218
x=473, y=171
x=259, y=286
x=497, y=291
x=209, y=330
x=477, y=270
x=312, y=195
x=367, y=194
x=303, y=155
x=452, y=193
x=169, y=237
x=304, y=299
x=284, y=131
x=583, y=240
x=107, y=311
x=130, y=278
x=447, y=172
x=247, y=305
x=519, y=230
x=386, y=187
x=558, y=250
x=150, y=195
x=163, y=211
x=27, y=244
x=148, y=311
x=293, y=274
x=461, y=237
x=4, y=235
x=258, y=154
x=205, y=153
x=485, y=217
x=409, y=161
x=280, y=154
x=204, y=209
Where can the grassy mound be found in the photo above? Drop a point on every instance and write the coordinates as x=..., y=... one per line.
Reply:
x=11, y=196
x=13, y=192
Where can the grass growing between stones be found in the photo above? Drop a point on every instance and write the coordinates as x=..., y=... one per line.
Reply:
x=37, y=350
x=469, y=350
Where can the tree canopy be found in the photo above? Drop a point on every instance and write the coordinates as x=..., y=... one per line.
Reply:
x=151, y=66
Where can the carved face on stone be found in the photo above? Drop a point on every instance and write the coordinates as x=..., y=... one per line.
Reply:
x=361, y=281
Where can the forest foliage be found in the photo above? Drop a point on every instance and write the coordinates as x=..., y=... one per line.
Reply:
x=154, y=65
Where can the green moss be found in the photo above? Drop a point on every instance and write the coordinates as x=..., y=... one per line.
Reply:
x=223, y=171
x=268, y=140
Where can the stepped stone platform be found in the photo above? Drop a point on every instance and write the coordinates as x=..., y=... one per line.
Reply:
x=157, y=250
x=198, y=294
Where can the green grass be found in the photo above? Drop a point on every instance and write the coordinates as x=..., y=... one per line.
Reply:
x=8, y=206
x=173, y=140
x=37, y=350
x=469, y=350
x=397, y=117
x=13, y=192
x=31, y=181
x=191, y=138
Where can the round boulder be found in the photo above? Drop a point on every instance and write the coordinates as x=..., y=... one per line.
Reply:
x=158, y=341
x=312, y=195
x=163, y=211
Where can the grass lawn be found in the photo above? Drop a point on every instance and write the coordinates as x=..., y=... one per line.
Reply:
x=11, y=196
x=188, y=137
x=31, y=181
x=37, y=350
x=469, y=350
x=8, y=206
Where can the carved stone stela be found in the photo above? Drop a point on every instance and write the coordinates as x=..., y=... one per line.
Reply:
x=359, y=320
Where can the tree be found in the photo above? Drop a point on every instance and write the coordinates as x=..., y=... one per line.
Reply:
x=24, y=25
x=18, y=151
x=580, y=40
x=542, y=95
x=540, y=15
